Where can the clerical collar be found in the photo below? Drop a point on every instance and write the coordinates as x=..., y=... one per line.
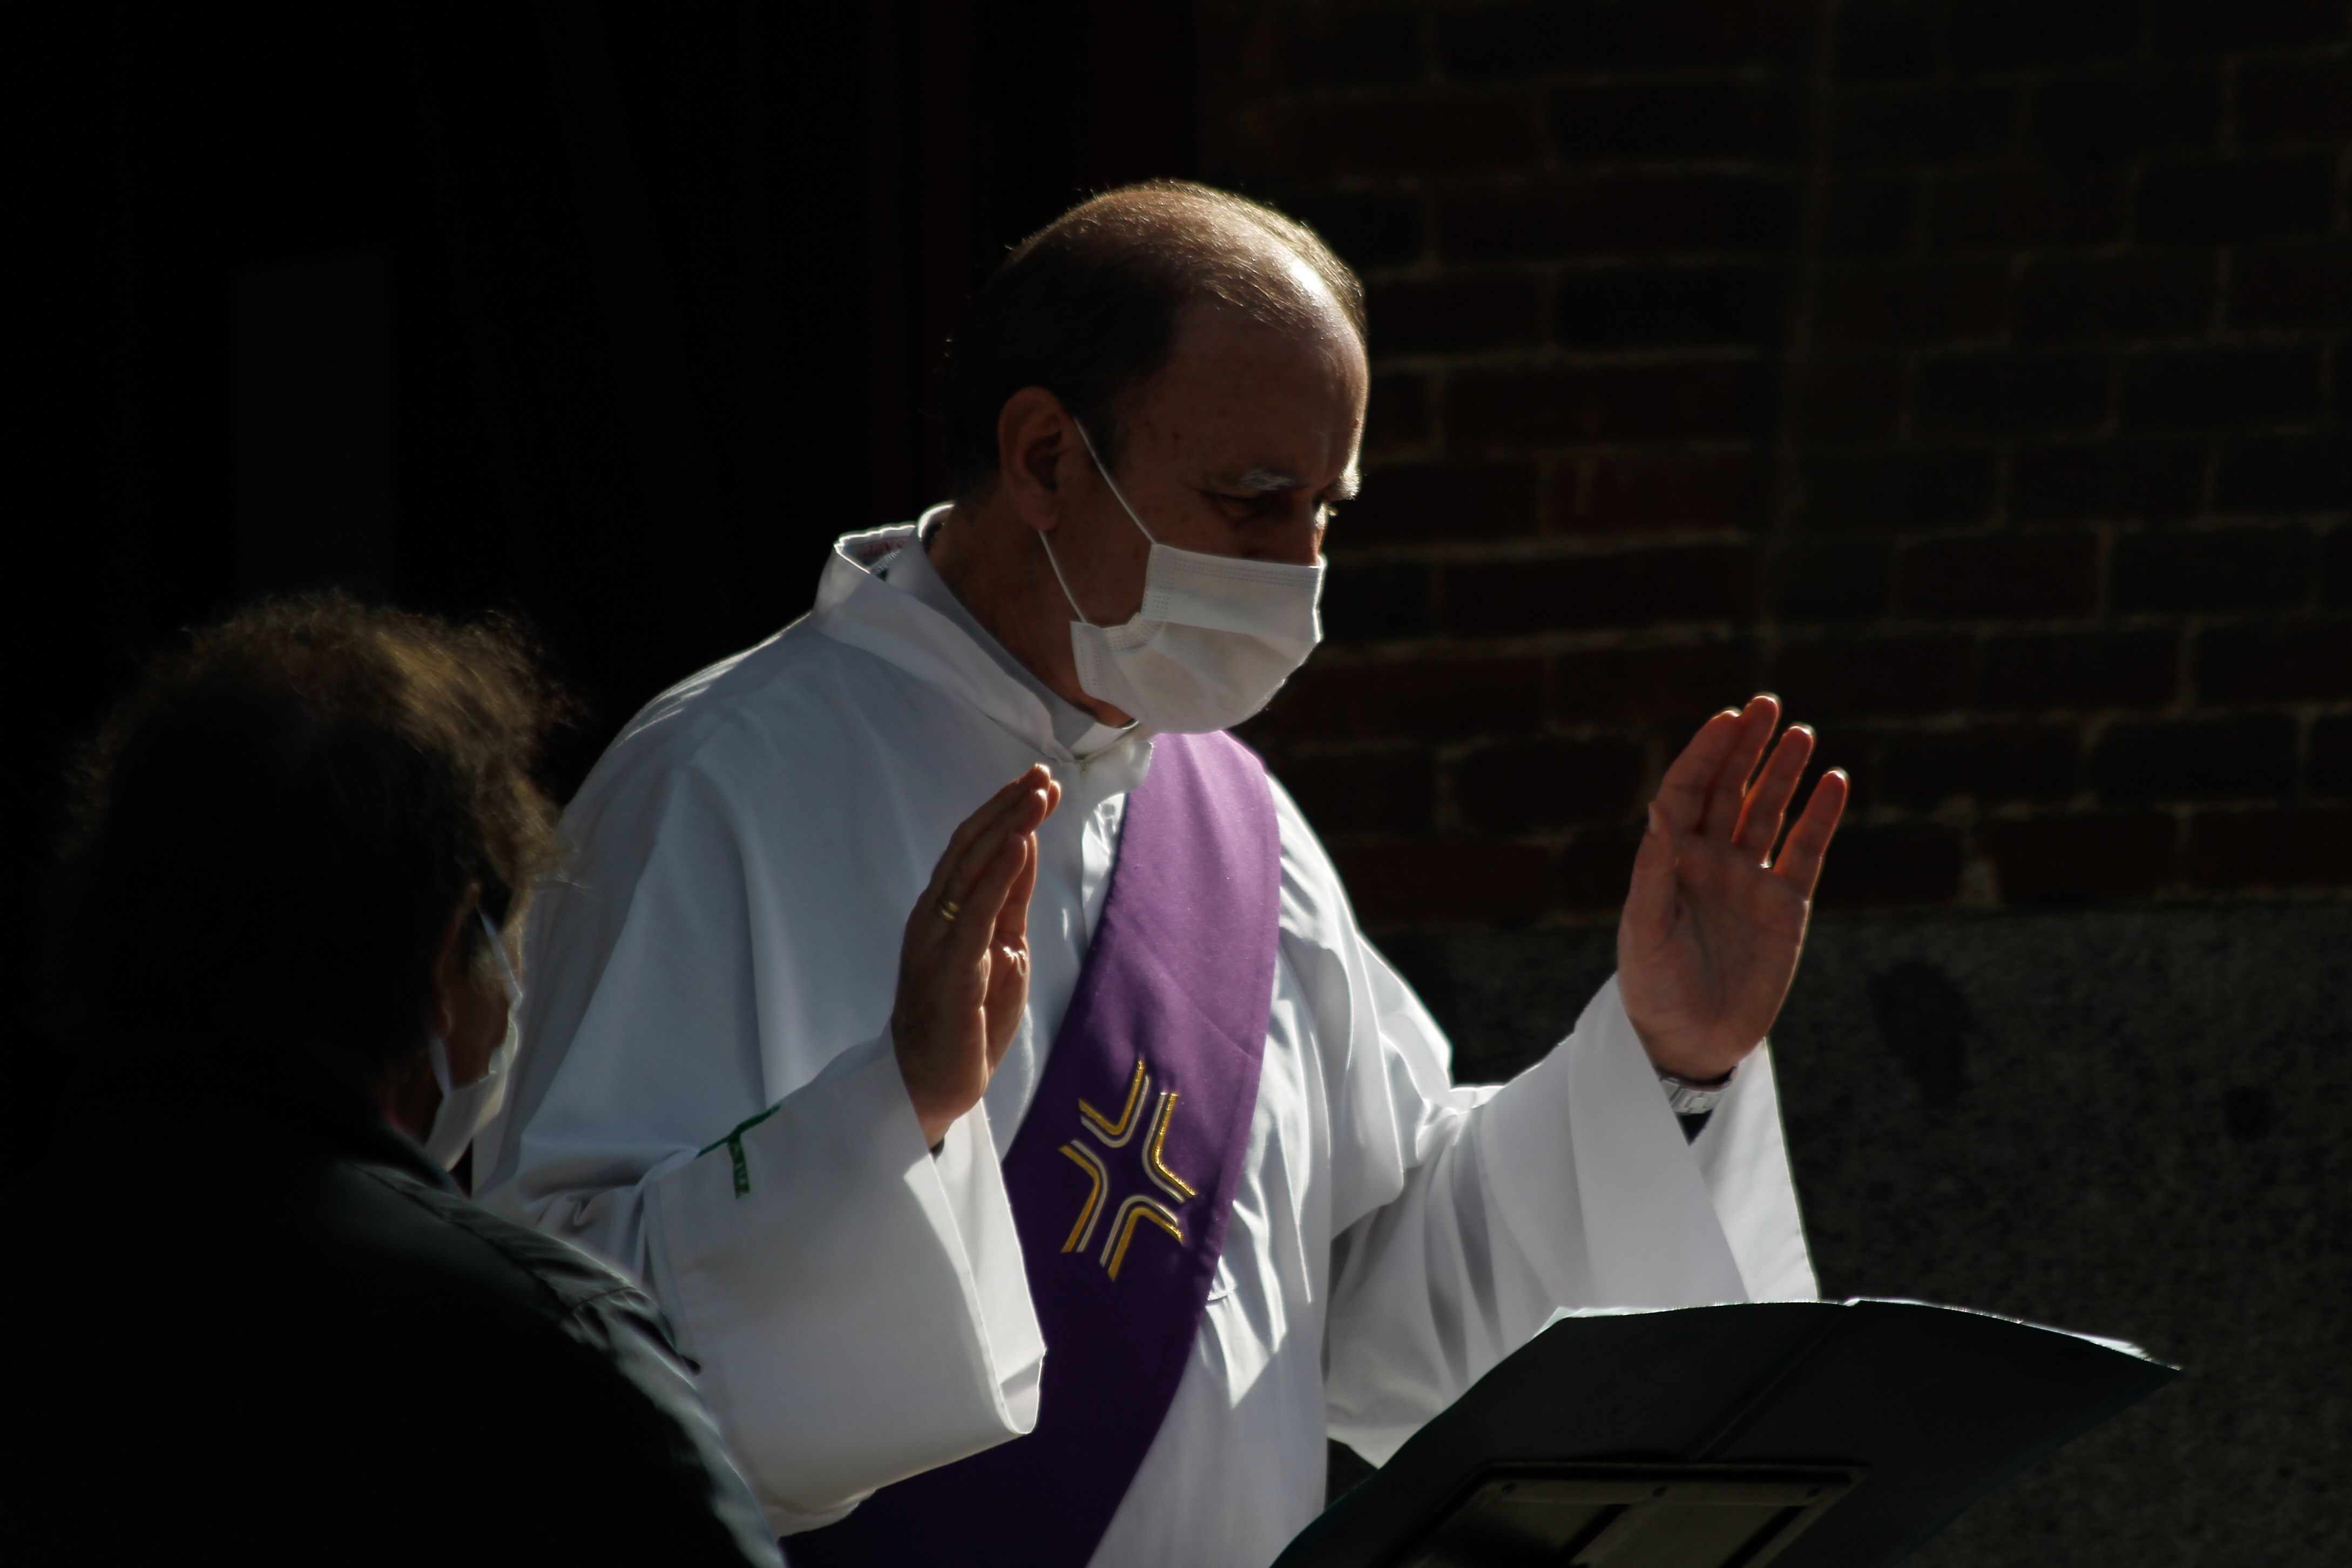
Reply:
x=911, y=571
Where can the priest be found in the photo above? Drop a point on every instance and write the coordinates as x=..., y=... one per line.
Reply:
x=1084, y=1268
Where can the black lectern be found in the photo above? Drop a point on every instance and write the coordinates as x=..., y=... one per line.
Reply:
x=1799, y=1434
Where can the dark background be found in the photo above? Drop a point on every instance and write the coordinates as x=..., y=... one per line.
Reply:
x=1972, y=374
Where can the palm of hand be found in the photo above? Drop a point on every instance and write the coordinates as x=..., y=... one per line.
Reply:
x=963, y=964
x=1713, y=925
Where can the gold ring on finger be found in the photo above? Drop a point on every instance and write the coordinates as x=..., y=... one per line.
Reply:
x=949, y=909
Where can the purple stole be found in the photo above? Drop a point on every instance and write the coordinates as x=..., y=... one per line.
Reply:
x=1122, y=1175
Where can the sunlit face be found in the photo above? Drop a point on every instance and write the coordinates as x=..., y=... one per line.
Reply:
x=1241, y=446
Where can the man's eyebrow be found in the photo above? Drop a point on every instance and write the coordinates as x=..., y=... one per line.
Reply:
x=1266, y=479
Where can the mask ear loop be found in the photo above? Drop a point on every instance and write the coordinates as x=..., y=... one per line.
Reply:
x=1116, y=494
x=1064, y=582
x=508, y=979
x=1095, y=458
x=437, y=1051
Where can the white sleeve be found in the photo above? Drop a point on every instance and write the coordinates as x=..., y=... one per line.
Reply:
x=858, y=1305
x=1571, y=1186
x=859, y=1308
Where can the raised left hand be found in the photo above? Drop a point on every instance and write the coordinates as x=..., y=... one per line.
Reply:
x=1713, y=923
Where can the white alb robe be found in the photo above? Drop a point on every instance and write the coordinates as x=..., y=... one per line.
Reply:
x=727, y=941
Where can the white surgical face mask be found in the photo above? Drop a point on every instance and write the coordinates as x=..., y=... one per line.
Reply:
x=1216, y=637
x=467, y=1109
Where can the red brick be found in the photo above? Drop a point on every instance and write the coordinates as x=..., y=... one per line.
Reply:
x=2291, y=285
x=2330, y=771
x=1617, y=214
x=2201, y=28
x=2150, y=481
x=2241, y=850
x=2222, y=389
x=1365, y=791
x=2024, y=575
x=2074, y=858
x=2226, y=569
x=1909, y=302
x=1669, y=686
x=1561, y=406
x=1906, y=126
x=2013, y=394
x=1899, y=489
x=2038, y=204
x=1369, y=602
x=1532, y=37
x=1637, y=588
x=1992, y=764
x=2143, y=295
x=1863, y=678
x=2295, y=101
x=1842, y=583
x=2249, y=756
x=1406, y=135
x=2005, y=35
x=1454, y=314
x=2224, y=199
x=1370, y=228
x=1394, y=882
x=1398, y=419
x=1838, y=397
x=1711, y=117
x=1524, y=785
x=2285, y=473
x=1682, y=489
x=2037, y=673
x=1438, y=501
x=1899, y=863
x=1653, y=306
x=1424, y=699
x=2275, y=661
x=1869, y=214
x=2111, y=117
x=1890, y=40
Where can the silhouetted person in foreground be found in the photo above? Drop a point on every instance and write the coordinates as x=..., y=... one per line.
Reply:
x=260, y=1319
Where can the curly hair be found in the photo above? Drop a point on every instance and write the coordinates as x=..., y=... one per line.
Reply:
x=270, y=836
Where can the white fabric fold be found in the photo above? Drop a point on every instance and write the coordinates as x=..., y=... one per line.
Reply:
x=849, y=1268
x=1623, y=1176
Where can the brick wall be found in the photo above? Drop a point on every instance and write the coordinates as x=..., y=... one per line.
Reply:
x=1970, y=375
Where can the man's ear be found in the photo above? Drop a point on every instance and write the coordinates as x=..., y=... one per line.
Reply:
x=1034, y=440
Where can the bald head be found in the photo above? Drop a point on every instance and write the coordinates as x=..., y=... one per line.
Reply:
x=1089, y=306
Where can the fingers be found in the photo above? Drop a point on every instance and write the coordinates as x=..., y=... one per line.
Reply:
x=965, y=853
x=1682, y=793
x=1013, y=916
x=1017, y=808
x=1799, y=864
x=970, y=934
x=1720, y=816
x=1759, y=819
x=1650, y=900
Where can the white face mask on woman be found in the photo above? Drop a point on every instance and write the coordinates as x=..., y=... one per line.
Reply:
x=467, y=1109
x=1216, y=637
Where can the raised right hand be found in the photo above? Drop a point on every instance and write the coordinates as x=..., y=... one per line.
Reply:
x=964, y=967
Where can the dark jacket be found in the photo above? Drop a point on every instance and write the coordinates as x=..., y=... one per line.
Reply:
x=260, y=1322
